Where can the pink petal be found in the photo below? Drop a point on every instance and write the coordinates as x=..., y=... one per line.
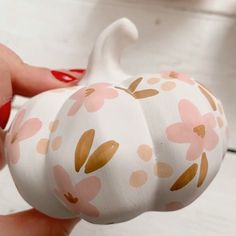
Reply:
x=88, y=209
x=166, y=74
x=18, y=120
x=189, y=112
x=99, y=86
x=60, y=193
x=211, y=139
x=73, y=207
x=88, y=188
x=179, y=133
x=14, y=153
x=62, y=179
x=209, y=120
x=29, y=129
x=179, y=76
x=186, y=78
x=78, y=95
x=93, y=103
x=110, y=93
x=195, y=150
x=75, y=107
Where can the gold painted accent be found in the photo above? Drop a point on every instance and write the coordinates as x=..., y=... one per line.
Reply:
x=124, y=89
x=220, y=109
x=83, y=148
x=138, y=178
x=141, y=93
x=145, y=152
x=173, y=74
x=134, y=84
x=53, y=125
x=163, y=170
x=89, y=91
x=101, y=156
x=70, y=198
x=185, y=178
x=209, y=97
x=42, y=146
x=200, y=130
x=167, y=86
x=56, y=143
x=220, y=122
x=203, y=86
x=154, y=80
x=145, y=93
x=14, y=138
x=203, y=170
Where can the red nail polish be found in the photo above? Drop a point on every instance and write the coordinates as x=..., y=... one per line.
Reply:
x=5, y=111
x=62, y=76
x=80, y=71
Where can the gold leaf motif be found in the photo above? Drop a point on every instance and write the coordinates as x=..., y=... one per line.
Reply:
x=141, y=93
x=209, y=97
x=145, y=93
x=14, y=138
x=124, y=89
x=89, y=91
x=204, y=86
x=101, y=156
x=200, y=130
x=203, y=170
x=83, y=148
x=173, y=75
x=69, y=197
x=134, y=84
x=185, y=178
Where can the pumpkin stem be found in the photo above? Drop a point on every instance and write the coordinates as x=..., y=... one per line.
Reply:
x=104, y=61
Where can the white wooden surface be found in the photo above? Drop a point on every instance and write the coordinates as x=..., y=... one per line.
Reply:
x=197, y=37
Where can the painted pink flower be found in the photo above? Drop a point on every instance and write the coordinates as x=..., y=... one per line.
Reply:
x=77, y=197
x=195, y=129
x=92, y=97
x=20, y=132
x=177, y=75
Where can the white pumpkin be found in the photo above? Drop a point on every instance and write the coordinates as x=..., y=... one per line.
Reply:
x=117, y=145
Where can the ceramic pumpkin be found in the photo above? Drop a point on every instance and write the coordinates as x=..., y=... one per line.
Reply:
x=117, y=145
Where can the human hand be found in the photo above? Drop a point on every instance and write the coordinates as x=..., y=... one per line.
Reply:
x=16, y=77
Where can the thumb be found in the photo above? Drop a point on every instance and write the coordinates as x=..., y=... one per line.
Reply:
x=33, y=223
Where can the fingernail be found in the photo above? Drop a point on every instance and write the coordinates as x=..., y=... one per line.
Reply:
x=80, y=71
x=5, y=111
x=63, y=77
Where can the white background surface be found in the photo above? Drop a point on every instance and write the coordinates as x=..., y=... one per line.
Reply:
x=197, y=37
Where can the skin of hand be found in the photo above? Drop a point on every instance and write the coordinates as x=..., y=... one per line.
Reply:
x=16, y=77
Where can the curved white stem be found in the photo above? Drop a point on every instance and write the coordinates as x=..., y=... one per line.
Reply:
x=104, y=61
